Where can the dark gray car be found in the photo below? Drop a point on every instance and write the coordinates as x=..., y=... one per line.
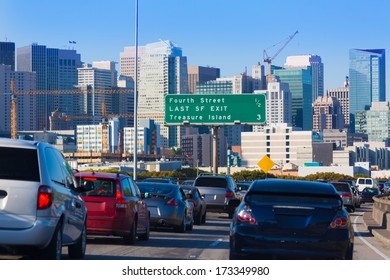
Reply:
x=219, y=192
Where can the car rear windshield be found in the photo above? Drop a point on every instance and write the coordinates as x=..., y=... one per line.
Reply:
x=211, y=182
x=19, y=164
x=293, y=198
x=97, y=187
x=340, y=187
x=161, y=190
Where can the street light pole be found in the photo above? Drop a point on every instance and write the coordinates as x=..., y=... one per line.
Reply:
x=136, y=96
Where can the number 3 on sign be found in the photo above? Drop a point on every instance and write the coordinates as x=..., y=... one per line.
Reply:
x=258, y=117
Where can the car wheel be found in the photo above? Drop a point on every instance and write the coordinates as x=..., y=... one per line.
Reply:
x=191, y=225
x=204, y=217
x=349, y=254
x=198, y=218
x=77, y=251
x=54, y=250
x=132, y=236
x=182, y=227
x=145, y=236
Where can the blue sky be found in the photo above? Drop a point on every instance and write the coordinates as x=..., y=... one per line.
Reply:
x=227, y=34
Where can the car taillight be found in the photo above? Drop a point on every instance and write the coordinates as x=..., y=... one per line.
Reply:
x=339, y=222
x=45, y=197
x=245, y=216
x=192, y=202
x=229, y=194
x=346, y=195
x=120, y=201
x=171, y=202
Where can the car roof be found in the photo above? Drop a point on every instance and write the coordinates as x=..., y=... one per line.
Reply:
x=157, y=184
x=99, y=175
x=18, y=143
x=293, y=186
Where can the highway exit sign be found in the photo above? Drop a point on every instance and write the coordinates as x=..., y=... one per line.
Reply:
x=215, y=109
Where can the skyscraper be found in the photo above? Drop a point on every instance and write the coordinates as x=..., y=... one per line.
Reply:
x=300, y=84
x=199, y=75
x=55, y=69
x=342, y=95
x=367, y=78
x=7, y=54
x=162, y=70
x=316, y=67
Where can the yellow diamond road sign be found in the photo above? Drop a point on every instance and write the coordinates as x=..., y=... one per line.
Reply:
x=265, y=164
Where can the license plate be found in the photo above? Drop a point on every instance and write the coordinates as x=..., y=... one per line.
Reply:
x=154, y=211
x=210, y=197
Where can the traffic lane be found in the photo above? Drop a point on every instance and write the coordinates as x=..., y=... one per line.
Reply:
x=208, y=241
x=366, y=246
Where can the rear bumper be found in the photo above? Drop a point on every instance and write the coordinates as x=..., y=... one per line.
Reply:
x=332, y=246
x=39, y=235
x=116, y=225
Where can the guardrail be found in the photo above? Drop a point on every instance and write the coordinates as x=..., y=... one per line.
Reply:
x=381, y=217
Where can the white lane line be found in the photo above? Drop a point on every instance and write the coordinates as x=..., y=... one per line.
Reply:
x=366, y=242
x=216, y=242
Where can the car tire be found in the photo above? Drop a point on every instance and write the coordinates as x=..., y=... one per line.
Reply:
x=182, y=227
x=54, y=250
x=145, y=236
x=131, y=238
x=349, y=254
x=204, y=217
x=77, y=250
x=198, y=218
x=191, y=225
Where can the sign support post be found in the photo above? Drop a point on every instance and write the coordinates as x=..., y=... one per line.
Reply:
x=214, y=132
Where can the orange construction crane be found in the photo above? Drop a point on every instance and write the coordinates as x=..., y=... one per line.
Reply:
x=55, y=92
x=268, y=59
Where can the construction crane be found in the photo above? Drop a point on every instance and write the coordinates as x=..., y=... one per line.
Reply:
x=15, y=94
x=269, y=59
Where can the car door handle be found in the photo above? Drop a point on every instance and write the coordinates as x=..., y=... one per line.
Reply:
x=3, y=194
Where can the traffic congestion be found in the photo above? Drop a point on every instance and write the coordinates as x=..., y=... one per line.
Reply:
x=49, y=211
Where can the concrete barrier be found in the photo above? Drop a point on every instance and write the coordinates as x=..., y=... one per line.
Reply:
x=379, y=222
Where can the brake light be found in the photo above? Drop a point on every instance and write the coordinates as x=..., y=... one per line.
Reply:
x=245, y=216
x=171, y=202
x=229, y=194
x=346, y=195
x=339, y=222
x=89, y=178
x=45, y=197
x=192, y=202
x=120, y=201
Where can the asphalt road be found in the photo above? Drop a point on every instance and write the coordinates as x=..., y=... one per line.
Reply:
x=208, y=241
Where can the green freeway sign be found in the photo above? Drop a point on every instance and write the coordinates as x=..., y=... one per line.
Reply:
x=215, y=109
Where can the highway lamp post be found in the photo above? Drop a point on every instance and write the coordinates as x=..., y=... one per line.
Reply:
x=136, y=96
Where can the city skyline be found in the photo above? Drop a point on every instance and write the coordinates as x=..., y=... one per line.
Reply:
x=216, y=33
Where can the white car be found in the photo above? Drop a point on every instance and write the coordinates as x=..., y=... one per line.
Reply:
x=40, y=207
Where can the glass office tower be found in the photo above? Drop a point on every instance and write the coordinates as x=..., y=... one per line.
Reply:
x=300, y=84
x=367, y=78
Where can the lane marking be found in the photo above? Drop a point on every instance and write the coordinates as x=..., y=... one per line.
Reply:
x=216, y=242
x=365, y=241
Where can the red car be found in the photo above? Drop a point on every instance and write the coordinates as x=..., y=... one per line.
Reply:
x=115, y=206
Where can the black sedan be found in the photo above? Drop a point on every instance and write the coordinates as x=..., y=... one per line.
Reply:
x=368, y=194
x=286, y=219
x=194, y=197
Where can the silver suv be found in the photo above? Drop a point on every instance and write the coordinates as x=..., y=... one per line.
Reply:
x=218, y=192
x=40, y=207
